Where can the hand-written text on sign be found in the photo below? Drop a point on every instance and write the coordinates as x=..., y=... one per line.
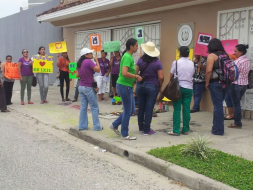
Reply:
x=11, y=70
x=112, y=46
x=72, y=70
x=43, y=64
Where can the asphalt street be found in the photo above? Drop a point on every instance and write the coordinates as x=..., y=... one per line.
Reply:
x=37, y=156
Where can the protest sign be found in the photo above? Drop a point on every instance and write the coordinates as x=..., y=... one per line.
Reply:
x=72, y=70
x=58, y=47
x=11, y=70
x=95, y=42
x=201, y=44
x=43, y=64
x=112, y=46
x=229, y=45
x=139, y=35
x=190, y=54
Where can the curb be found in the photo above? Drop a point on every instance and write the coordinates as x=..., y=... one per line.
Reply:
x=189, y=178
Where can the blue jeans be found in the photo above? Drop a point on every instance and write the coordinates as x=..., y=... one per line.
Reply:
x=76, y=92
x=218, y=94
x=88, y=95
x=233, y=99
x=198, y=89
x=147, y=94
x=127, y=98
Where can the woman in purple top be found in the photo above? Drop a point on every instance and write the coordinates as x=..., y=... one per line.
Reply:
x=103, y=78
x=114, y=63
x=26, y=76
x=85, y=70
x=151, y=71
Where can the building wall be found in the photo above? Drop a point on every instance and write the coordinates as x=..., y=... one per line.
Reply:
x=23, y=31
x=204, y=17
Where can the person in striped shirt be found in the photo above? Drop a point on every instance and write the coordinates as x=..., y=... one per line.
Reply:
x=239, y=87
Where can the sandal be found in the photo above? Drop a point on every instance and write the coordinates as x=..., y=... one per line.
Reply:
x=184, y=133
x=128, y=138
x=22, y=103
x=75, y=100
x=42, y=102
x=45, y=101
x=193, y=111
x=30, y=102
x=234, y=126
x=173, y=134
x=67, y=99
x=228, y=117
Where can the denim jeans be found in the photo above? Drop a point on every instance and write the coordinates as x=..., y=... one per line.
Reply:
x=233, y=99
x=88, y=96
x=218, y=94
x=76, y=92
x=198, y=89
x=127, y=98
x=147, y=94
x=43, y=79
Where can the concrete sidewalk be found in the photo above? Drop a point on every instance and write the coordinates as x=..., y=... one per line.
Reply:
x=64, y=116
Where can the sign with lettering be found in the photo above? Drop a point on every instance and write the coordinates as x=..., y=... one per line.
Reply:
x=95, y=42
x=58, y=47
x=229, y=45
x=72, y=70
x=190, y=54
x=43, y=64
x=112, y=46
x=11, y=70
x=201, y=44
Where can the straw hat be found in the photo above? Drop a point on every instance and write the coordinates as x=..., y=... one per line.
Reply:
x=150, y=49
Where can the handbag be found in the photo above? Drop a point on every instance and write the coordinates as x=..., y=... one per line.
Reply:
x=172, y=90
x=94, y=84
x=34, y=83
x=250, y=85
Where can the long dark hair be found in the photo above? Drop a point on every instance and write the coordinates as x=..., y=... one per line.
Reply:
x=148, y=59
x=215, y=45
x=81, y=59
x=40, y=49
x=67, y=56
x=130, y=42
x=242, y=48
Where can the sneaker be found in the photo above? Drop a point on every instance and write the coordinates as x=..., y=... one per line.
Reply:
x=151, y=132
x=115, y=130
x=143, y=131
x=128, y=138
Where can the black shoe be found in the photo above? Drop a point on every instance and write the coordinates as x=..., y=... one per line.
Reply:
x=75, y=100
x=193, y=111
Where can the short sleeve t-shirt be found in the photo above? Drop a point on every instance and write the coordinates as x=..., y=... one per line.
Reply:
x=185, y=70
x=150, y=72
x=115, y=66
x=63, y=64
x=86, y=73
x=127, y=61
x=26, y=67
x=104, y=66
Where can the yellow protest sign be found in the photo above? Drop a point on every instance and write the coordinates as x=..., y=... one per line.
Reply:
x=43, y=64
x=58, y=47
x=190, y=54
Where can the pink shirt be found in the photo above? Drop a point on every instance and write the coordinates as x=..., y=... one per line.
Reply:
x=243, y=64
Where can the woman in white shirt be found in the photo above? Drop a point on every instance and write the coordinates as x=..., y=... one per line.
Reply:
x=185, y=70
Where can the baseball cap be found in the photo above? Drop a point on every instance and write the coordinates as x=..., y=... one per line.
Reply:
x=85, y=51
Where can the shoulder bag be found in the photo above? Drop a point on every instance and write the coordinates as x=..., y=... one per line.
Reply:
x=172, y=90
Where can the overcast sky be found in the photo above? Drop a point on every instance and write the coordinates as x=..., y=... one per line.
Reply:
x=9, y=7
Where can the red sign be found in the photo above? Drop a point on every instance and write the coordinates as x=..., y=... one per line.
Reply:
x=201, y=44
x=11, y=70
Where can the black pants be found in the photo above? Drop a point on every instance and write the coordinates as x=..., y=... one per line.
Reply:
x=64, y=76
x=3, y=106
x=8, y=86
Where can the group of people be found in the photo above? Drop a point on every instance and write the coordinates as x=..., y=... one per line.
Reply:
x=147, y=74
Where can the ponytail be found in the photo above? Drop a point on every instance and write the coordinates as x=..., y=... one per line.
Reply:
x=81, y=59
x=123, y=52
x=242, y=48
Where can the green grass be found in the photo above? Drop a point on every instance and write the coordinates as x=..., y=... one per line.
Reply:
x=231, y=170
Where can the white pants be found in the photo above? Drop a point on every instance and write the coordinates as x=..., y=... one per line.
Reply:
x=101, y=84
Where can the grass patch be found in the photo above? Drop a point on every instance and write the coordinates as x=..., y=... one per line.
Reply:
x=231, y=170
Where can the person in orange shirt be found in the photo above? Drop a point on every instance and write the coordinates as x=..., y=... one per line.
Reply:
x=63, y=65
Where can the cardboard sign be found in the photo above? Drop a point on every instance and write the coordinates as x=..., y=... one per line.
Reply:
x=72, y=70
x=43, y=64
x=190, y=54
x=112, y=46
x=139, y=35
x=201, y=44
x=229, y=45
x=58, y=47
x=11, y=70
x=95, y=42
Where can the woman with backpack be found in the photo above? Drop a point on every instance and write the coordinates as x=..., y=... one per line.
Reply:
x=217, y=88
x=151, y=71
x=239, y=87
